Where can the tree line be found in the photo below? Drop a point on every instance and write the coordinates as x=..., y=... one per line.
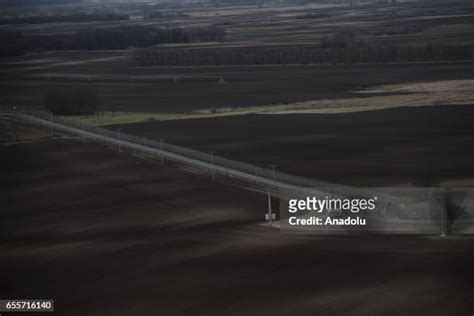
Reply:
x=344, y=46
x=300, y=55
x=72, y=101
x=16, y=43
x=79, y=17
x=28, y=3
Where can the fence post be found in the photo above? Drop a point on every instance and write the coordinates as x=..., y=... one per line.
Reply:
x=51, y=120
x=161, y=148
x=269, y=214
x=445, y=209
x=273, y=171
x=212, y=160
x=118, y=136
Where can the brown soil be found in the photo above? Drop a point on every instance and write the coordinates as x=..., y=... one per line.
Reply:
x=106, y=233
x=245, y=86
x=385, y=147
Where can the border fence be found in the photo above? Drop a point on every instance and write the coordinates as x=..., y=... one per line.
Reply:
x=252, y=174
x=130, y=78
x=393, y=205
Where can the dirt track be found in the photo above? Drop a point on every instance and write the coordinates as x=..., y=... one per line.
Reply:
x=106, y=233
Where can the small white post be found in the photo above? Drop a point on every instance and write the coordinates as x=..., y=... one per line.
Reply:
x=273, y=170
x=269, y=214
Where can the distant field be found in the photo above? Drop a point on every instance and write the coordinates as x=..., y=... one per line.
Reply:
x=404, y=22
x=243, y=87
x=429, y=93
x=452, y=33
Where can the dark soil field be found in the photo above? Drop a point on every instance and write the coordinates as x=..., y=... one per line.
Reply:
x=245, y=86
x=107, y=233
x=395, y=146
x=104, y=232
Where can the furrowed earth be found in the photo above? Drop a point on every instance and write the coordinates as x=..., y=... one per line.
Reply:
x=25, y=82
x=400, y=146
x=104, y=232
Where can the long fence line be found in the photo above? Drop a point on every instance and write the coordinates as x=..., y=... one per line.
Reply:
x=264, y=179
x=130, y=77
x=392, y=209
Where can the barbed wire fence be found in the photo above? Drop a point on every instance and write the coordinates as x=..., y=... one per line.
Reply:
x=265, y=180
x=129, y=78
x=209, y=162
